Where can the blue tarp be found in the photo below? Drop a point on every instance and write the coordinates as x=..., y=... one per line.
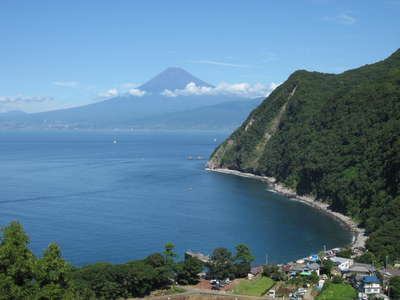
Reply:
x=371, y=279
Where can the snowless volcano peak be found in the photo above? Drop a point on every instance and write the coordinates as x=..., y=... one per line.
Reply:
x=172, y=78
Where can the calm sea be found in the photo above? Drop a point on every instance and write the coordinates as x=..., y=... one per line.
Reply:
x=106, y=201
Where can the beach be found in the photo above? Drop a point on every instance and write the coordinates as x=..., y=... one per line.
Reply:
x=359, y=237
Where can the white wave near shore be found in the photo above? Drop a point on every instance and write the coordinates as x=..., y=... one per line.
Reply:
x=359, y=236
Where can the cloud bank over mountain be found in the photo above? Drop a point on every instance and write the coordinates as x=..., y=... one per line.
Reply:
x=243, y=89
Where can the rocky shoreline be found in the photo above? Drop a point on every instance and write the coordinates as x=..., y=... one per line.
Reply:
x=359, y=237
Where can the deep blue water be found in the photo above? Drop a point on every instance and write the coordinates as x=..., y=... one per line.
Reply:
x=102, y=201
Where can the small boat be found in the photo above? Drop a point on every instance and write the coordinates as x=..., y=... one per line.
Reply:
x=190, y=157
x=115, y=141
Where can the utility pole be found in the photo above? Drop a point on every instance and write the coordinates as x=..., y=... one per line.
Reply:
x=386, y=261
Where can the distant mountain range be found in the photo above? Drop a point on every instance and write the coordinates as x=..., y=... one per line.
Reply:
x=225, y=115
x=152, y=110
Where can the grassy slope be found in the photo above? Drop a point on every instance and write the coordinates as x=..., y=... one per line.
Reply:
x=255, y=287
x=338, y=291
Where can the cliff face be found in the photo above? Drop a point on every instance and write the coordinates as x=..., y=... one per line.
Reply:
x=334, y=136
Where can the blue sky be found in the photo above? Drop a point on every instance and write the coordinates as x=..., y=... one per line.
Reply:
x=66, y=53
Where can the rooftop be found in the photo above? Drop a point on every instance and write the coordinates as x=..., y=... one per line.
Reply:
x=390, y=272
x=313, y=266
x=371, y=279
x=340, y=260
x=361, y=268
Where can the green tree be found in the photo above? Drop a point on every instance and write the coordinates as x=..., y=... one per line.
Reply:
x=99, y=278
x=51, y=274
x=243, y=260
x=221, y=264
x=188, y=270
x=273, y=272
x=169, y=253
x=346, y=253
x=394, y=287
x=337, y=279
x=327, y=266
x=367, y=258
x=16, y=263
x=155, y=260
x=314, y=277
x=335, y=137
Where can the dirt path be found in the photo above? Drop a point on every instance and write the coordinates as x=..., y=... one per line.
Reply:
x=199, y=294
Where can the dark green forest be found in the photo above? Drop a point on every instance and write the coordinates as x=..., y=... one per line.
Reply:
x=26, y=276
x=336, y=137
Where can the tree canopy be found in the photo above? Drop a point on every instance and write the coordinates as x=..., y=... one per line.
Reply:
x=25, y=276
x=335, y=137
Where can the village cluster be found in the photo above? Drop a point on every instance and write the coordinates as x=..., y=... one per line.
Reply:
x=369, y=281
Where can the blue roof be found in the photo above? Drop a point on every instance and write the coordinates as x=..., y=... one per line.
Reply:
x=371, y=279
x=314, y=257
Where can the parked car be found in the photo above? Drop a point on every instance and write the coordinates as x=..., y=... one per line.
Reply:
x=271, y=293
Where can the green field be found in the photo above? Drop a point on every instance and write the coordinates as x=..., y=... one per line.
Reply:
x=254, y=287
x=334, y=291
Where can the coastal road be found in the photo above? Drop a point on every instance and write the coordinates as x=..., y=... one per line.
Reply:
x=200, y=294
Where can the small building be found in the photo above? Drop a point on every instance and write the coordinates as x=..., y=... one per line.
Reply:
x=359, y=268
x=297, y=268
x=256, y=270
x=313, y=258
x=321, y=284
x=358, y=271
x=342, y=263
x=286, y=268
x=371, y=285
x=387, y=274
x=313, y=267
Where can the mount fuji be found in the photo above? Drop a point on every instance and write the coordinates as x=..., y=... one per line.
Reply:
x=153, y=109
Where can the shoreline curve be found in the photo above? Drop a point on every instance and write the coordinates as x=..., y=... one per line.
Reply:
x=359, y=236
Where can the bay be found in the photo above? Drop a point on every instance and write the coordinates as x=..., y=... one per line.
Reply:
x=119, y=196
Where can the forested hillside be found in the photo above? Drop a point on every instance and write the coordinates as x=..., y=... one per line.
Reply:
x=336, y=137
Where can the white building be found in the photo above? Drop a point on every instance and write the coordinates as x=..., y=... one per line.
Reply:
x=371, y=285
x=342, y=263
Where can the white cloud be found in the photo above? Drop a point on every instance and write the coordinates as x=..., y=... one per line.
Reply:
x=168, y=93
x=27, y=103
x=244, y=89
x=220, y=63
x=24, y=99
x=116, y=92
x=136, y=92
x=66, y=83
x=343, y=18
x=109, y=93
